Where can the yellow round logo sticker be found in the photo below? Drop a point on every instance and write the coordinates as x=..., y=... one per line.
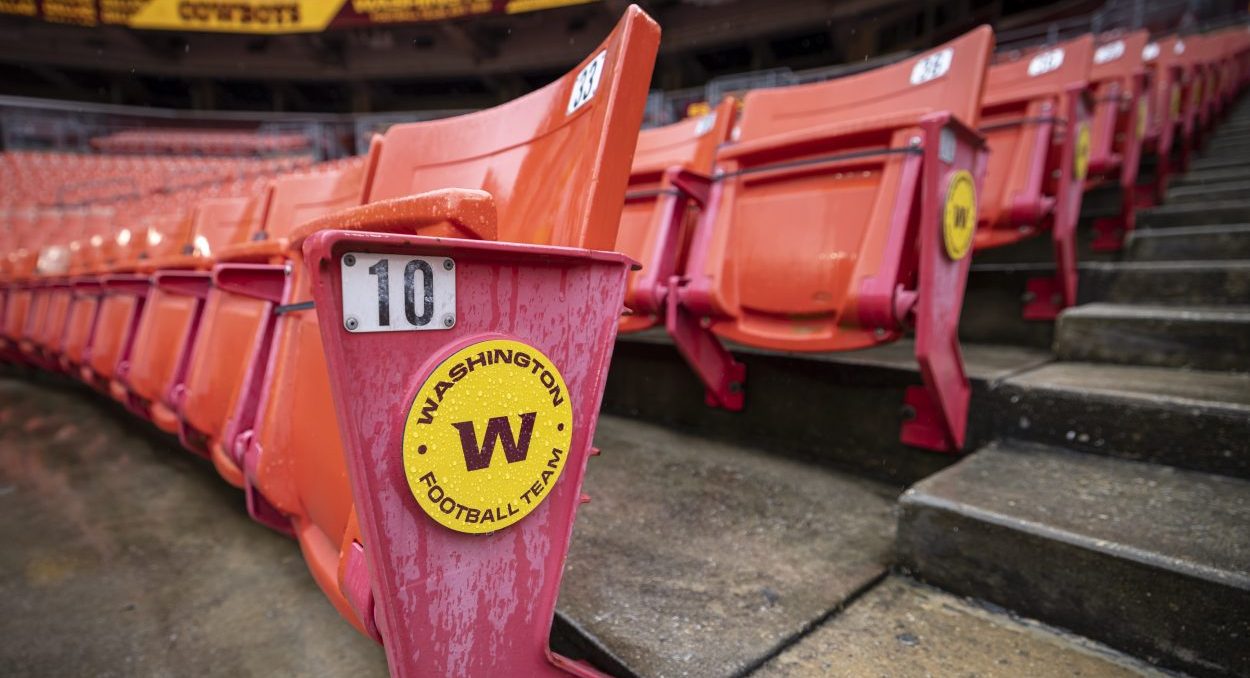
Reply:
x=487, y=436
x=959, y=215
x=1080, y=163
x=1143, y=112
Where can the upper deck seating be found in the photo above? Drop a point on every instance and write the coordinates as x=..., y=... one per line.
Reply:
x=655, y=223
x=822, y=228
x=1035, y=118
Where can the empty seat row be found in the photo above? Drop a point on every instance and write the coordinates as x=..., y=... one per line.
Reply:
x=273, y=322
x=206, y=142
x=788, y=221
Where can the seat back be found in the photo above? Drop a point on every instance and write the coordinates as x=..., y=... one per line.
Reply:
x=817, y=196
x=650, y=233
x=559, y=136
x=1024, y=116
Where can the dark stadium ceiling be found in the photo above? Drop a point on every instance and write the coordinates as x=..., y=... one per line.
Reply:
x=465, y=62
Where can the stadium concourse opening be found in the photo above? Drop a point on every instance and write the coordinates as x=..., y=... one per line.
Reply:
x=686, y=338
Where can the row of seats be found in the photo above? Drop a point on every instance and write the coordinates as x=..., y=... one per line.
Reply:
x=35, y=180
x=824, y=217
x=205, y=142
x=803, y=235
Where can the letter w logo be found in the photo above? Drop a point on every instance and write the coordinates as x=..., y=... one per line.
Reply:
x=497, y=429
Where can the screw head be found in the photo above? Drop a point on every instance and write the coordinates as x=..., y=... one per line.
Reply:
x=349, y=260
x=449, y=320
x=449, y=264
x=351, y=323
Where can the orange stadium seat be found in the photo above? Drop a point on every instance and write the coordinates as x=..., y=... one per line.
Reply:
x=222, y=385
x=170, y=318
x=1166, y=81
x=823, y=228
x=1035, y=117
x=98, y=225
x=1118, y=77
x=124, y=291
x=656, y=220
x=558, y=174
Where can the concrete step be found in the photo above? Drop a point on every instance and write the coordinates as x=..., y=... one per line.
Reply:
x=701, y=558
x=903, y=628
x=1201, y=283
x=125, y=555
x=1189, y=243
x=1151, y=560
x=1163, y=336
x=1219, y=160
x=1208, y=192
x=1230, y=147
x=1187, y=418
x=1189, y=214
x=838, y=409
x=1212, y=176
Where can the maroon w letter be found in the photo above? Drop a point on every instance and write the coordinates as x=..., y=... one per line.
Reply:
x=497, y=429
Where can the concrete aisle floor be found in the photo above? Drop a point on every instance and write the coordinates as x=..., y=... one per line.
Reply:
x=125, y=556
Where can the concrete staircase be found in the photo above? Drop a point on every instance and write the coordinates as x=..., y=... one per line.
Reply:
x=1116, y=502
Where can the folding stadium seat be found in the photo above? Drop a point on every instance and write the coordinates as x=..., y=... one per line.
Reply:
x=24, y=271
x=223, y=380
x=169, y=322
x=553, y=168
x=842, y=214
x=120, y=247
x=49, y=336
x=1166, y=81
x=123, y=293
x=1118, y=77
x=655, y=223
x=1035, y=117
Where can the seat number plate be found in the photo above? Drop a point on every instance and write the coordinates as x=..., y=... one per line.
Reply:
x=396, y=293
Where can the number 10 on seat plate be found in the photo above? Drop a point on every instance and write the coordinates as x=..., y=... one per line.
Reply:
x=397, y=293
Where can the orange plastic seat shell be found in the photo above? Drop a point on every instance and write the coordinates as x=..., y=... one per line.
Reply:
x=792, y=246
x=236, y=328
x=1117, y=75
x=1019, y=194
x=691, y=145
x=124, y=295
x=167, y=325
x=534, y=156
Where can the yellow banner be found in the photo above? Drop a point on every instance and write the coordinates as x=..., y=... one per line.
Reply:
x=238, y=16
x=264, y=16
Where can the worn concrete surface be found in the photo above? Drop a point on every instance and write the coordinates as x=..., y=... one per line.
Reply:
x=1187, y=283
x=902, y=628
x=124, y=556
x=1202, y=338
x=1190, y=214
x=1189, y=243
x=841, y=410
x=1188, y=418
x=1152, y=560
x=696, y=558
